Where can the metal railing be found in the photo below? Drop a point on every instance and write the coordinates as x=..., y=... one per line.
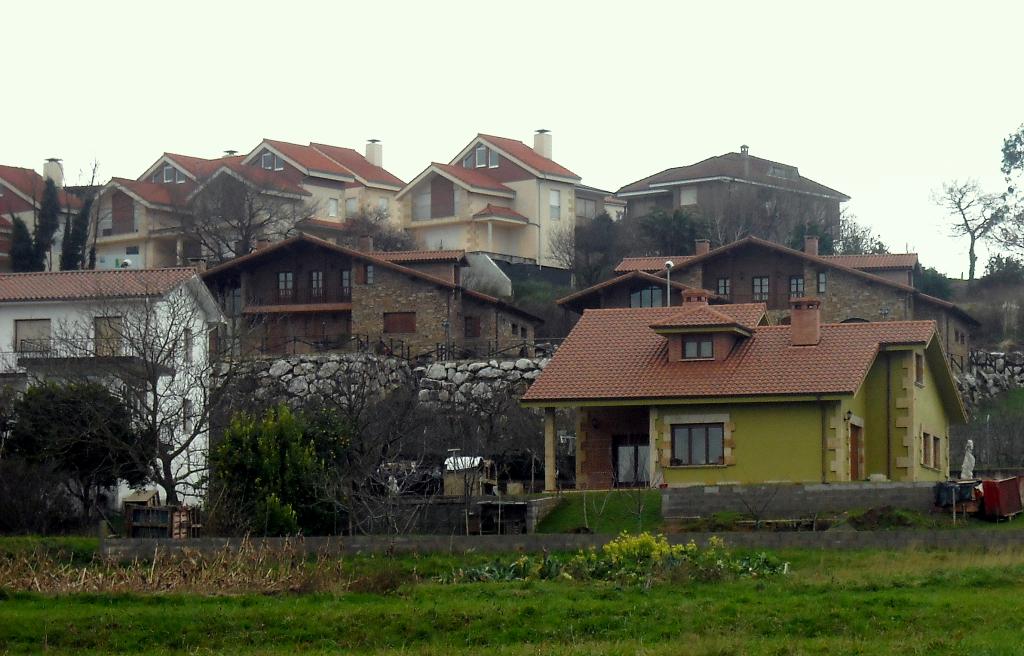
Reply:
x=100, y=347
x=304, y=296
x=323, y=343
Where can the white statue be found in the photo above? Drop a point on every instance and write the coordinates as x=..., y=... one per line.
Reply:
x=967, y=468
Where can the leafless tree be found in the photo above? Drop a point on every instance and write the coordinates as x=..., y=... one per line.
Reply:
x=975, y=214
x=375, y=222
x=562, y=247
x=229, y=214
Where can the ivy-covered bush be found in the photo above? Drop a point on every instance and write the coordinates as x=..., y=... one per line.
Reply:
x=633, y=560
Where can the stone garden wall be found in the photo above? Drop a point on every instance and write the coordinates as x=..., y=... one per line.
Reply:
x=988, y=374
x=465, y=382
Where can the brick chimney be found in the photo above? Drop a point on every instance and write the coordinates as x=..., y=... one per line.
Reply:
x=811, y=245
x=542, y=143
x=374, y=152
x=805, y=321
x=365, y=244
x=702, y=246
x=695, y=297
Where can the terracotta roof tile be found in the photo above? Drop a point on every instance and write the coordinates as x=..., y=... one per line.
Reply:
x=876, y=261
x=358, y=164
x=500, y=210
x=91, y=284
x=734, y=165
x=31, y=184
x=201, y=167
x=528, y=156
x=403, y=257
x=744, y=315
x=472, y=177
x=155, y=193
x=308, y=157
x=614, y=354
x=632, y=275
x=650, y=264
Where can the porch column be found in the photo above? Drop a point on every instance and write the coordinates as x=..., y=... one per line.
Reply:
x=490, y=236
x=549, y=449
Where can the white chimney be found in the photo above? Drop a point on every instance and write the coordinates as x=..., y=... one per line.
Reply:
x=52, y=169
x=375, y=152
x=542, y=143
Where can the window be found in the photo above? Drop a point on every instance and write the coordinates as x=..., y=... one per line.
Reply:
x=822, y=282
x=267, y=161
x=492, y=159
x=131, y=250
x=724, y=286
x=346, y=281
x=586, y=208
x=368, y=274
x=31, y=335
x=647, y=297
x=382, y=204
x=179, y=177
x=760, y=284
x=468, y=162
x=481, y=156
x=926, y=450
x=698, y=444
x=919, y=369
x=936, y=451
x=473, y=327
x=399, y=322
x=168, y=173
x=555, y=201
x=796, y=286
x=278, y=163
x=189, y=344
x=698, y=347
x=107, y=332
x=332, y=207
x=515, y=329
x=522, y=332
x=316, y=285
x=421, y=205
x=351, y=207
x=285, y=285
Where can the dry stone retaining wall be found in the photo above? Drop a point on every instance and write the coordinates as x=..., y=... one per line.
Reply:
x=988, y=374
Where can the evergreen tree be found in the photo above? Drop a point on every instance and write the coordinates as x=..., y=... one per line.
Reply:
x=22, y=251
x=47, y=225
x=76, y=235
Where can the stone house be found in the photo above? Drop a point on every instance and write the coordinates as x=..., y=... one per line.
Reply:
x=706, y=395
x=740, y=193
x=851, y=287
x=306, y=294
x=633, y=289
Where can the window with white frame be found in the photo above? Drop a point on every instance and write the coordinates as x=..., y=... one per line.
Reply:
x=168, y=173
x=760, y=288
x=481, y=156
x=555, y=201
x=724, y=287
x=822, y=282
x=267, y=161
x=468, y=162
x=492, y=159
x=332, y=207
x=796, y=286
x=278, y=163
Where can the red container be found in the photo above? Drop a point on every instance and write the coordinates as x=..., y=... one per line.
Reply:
x=1001, y=498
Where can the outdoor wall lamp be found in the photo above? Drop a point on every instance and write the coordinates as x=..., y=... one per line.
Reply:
x=849, y=415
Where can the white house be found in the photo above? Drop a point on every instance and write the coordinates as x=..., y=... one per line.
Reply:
x=146, y=333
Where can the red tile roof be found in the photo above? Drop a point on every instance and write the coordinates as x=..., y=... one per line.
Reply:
x=614, y=354
x=307, y=157
x=692, y=315
x=632, y=275
x=472, y=177
x=200, y=167
x=528, y=156
x=734, y=166
x=649, y=264
x=358, y=164
x=503, y=212
x=169, y=195
x=31, y=184
x=92, y=284
x=879, y=261
x=402, y=257
x=263, y=179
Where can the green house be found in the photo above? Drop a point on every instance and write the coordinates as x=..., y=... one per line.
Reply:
x=703, y=395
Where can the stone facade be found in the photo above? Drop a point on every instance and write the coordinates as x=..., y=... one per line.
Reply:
x=460, y=383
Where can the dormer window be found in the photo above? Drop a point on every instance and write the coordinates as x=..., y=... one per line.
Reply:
x=168, y=173
x=698, y=347
x=481, y=156
x=492, y=159
x=271, y=162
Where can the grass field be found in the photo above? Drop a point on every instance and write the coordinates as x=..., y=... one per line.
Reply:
x=605, y=512
x=872, y=602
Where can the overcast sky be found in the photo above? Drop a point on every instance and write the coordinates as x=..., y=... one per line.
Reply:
x=882, y=101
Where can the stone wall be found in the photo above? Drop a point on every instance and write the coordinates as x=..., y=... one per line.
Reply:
x=462, y=382
x=395, y=292
x=989, y=374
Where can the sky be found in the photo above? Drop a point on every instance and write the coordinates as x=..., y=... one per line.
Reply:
x=883, y=101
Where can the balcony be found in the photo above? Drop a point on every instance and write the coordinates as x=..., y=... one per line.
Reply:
x=69, y=356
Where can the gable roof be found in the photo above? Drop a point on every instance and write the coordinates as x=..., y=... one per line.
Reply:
x=306, y=158
x=614, y=354
x=372, y=258
x=876, y=262
x=649, y=263
x=500, y=211
x=154, y=194
x=91, y=284
x=29, y=185
x=527, y=156
x=693, y=260
x=469, y=179
x=632, y=275
x=732, y=166
x=359, y=166
x=453, y=256
x=741, y=315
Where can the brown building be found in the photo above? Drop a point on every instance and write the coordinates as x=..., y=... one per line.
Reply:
x=634, y=289
x=305, y=294
x=856, y=288
x=740, y=194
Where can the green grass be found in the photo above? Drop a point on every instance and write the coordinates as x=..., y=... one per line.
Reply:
x=606, y=512
x=80, y=548
x=866, y=602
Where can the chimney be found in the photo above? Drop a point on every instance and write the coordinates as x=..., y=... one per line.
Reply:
x=365, y=244
x=542, y=143
x=745, y=156
x=52, y=169
x=695, y=297
x=702, y=246
x=375, y=152
x=810, y=244
x=805, y=321
x=197, y=263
